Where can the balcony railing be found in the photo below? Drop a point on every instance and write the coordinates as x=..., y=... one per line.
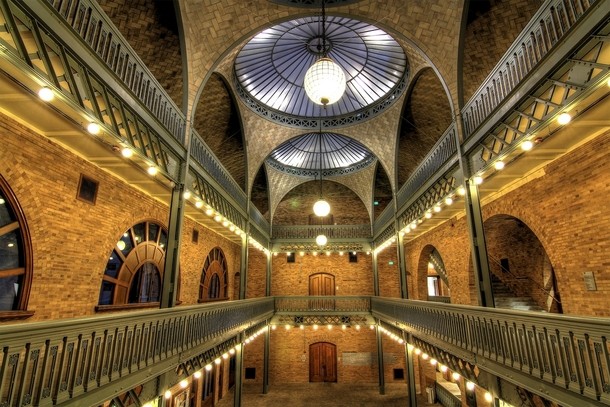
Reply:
x=95, y=28
x=569, y=354
x=299, y=232
x=317, y=303
x=49, y=363
x=442, y=151
x=534, y=43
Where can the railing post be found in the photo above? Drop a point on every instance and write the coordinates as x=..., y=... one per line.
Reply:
x=476, y=232
x=408, y=338
x=244, y=265
x=380, y=358
x=174, y=232
x=268, y=274
x=266, y=361
x=375, y=273
x=402, y=264
x=239, y=367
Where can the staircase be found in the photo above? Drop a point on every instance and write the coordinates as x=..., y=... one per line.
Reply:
x=505, y=298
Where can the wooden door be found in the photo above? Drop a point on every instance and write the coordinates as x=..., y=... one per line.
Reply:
x=321, y=284
x=322, y=362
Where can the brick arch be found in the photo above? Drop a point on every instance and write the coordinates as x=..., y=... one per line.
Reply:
x=527, y=269
x=346, y=206
x=218, y=122
x=487, y=36
x=426, y=115
x=426, y=253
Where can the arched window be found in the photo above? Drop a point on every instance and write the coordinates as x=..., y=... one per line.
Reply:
x=15, y=257
x=134, y=271
x=213, y=283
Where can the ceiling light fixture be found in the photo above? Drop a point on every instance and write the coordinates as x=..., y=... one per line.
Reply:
x=325, y=80
x=93, y=128
x=564, y=118
x=46, y=94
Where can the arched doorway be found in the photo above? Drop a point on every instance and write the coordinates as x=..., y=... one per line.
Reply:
x=322, y=362
x=521, y=272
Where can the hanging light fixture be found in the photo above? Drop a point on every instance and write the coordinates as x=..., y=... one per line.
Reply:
x=325, y=80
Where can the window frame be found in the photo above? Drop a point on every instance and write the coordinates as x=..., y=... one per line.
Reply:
x=21, y=311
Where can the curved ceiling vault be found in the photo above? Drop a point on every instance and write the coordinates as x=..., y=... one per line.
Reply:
x=272, y=65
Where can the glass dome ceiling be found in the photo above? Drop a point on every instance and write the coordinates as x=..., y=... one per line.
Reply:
x=272, y=65
x=303, y=153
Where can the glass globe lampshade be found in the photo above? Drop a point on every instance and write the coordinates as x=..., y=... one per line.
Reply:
x=321, y=240
x=324, y=82
x=321, y=208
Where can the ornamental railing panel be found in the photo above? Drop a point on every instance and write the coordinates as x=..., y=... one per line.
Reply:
x=94, y=27
x=317, y=303
x=259, y=221
x=54, y=57
x=568, y=353
x=300, y=232
x=47, y=363
x=212, y=165
x=443, y=150
x=545, y=30
x=384, y=218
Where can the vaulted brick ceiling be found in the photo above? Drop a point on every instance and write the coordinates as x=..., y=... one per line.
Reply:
x=150, y=26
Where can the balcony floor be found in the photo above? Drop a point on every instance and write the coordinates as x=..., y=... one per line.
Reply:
x=324, y=394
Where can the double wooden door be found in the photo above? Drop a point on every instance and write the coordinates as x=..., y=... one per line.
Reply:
x=322, y=362
x=321, y=284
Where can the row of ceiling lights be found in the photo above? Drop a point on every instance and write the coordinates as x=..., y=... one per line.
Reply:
x=499, y=164
x=321, y=207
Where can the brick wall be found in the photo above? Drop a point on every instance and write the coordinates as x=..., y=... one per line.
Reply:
x=350, y=278
x=564, y=210
x=72, y=239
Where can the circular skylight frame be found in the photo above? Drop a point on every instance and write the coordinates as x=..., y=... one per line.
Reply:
x=270, y=68
x=301, y=155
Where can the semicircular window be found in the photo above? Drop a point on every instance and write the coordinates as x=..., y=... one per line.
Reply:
x=15, y=256
x=134, y=271
x=271, y=67
x=214, y=284
x=332, y=152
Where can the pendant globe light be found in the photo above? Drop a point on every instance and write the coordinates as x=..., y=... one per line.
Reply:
x=325, y=80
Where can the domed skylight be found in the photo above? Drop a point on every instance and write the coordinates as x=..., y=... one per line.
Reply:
x=338, y=152
x=272, y=65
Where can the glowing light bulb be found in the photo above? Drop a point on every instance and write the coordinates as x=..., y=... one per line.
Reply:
x=488, y=397
x=46, y=94
x=470, y=386
x=455, y=376
x=187, y=194
x=527, y=145
x=197, y=374
x=448, y=200
x=478, y=180
x=499, y=165
x=564, y=118
x=199, y=204
x=127, y=152
x=152, y=170
x=93, y=128
x=184, y=383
